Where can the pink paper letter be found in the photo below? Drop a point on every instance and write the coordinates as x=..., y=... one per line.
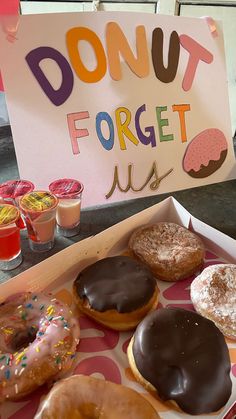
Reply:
x=75, y=132
x=196, y=53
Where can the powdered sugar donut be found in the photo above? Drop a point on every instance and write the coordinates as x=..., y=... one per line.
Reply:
x=213, y=294
x=205, y=153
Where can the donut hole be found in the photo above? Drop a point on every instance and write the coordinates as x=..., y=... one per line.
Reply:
x=22, y=338
x=85, y=411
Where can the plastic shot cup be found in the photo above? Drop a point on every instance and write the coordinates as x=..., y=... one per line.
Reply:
x=39, y=210
x=69, y=193
x=10, y=247
x=12, y=190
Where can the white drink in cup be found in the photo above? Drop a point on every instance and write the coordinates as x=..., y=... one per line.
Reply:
x=69, y=194
x=68, y=212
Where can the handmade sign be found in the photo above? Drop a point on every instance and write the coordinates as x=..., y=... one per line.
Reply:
x=129, y=104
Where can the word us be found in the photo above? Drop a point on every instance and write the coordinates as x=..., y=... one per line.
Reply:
x=152, y=176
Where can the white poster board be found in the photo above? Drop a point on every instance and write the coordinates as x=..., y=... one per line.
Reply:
x=130, y=104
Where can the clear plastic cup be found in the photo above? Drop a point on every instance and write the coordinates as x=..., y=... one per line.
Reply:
x=69, y=193
x=10, y=246
x=12, y=190
x=39, y=210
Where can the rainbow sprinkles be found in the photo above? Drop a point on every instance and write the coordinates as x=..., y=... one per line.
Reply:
x=37, y=340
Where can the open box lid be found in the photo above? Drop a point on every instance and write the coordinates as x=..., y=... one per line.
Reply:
x=114, y=240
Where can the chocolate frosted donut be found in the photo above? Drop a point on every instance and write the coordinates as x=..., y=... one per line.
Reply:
x=184, y=357
x=116, y=291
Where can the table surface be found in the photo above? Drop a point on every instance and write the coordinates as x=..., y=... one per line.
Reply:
x=213, y=204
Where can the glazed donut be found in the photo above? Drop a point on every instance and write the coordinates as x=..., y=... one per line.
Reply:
x=213, y=295
x=80, y=397
x=171, y=251
x=184, y=357
x=116, y=292
x=38, y=338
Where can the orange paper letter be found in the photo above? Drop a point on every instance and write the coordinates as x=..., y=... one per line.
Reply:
x=181, y=109
x=73, y=37
x=117, y=45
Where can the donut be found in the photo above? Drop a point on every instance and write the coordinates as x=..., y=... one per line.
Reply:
x=183, y=356
x=205, y=153
x=81, y=397
x=171, y=251
x=213, y=294
x=116, y=292
x=38, y=338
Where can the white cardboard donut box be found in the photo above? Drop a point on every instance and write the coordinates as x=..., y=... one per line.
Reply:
x=102, y=352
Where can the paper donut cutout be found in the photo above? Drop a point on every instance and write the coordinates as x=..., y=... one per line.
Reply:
x=205, y=153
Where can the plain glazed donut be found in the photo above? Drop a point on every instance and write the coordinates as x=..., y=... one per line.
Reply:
x=82, y=397
x=184, y=357
x=171, y=251
x=116, y=291
x=213, y=295
x=38, y=338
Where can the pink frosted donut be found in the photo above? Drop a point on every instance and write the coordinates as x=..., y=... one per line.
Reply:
x=38, y=338
x=205, y=153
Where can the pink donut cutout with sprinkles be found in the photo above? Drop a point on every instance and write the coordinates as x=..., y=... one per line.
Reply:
x=205, y=153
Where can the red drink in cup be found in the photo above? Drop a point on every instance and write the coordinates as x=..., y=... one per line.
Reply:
x=10, y=250
x=12, y=190
x=39, y=209
x=9, y=242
